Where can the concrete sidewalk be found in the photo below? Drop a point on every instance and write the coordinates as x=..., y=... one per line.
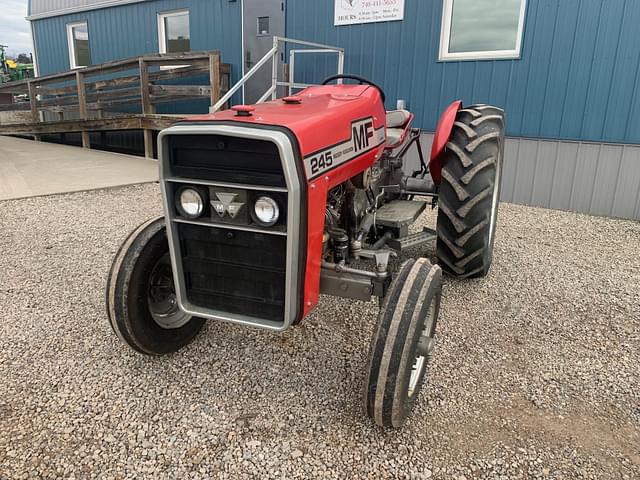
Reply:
x=29, y=169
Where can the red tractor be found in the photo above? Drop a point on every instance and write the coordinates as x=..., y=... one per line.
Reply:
x=268, y=206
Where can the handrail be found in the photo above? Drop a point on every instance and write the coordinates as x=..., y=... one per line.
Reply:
x=107, y=67
x=309, y=44
x=225, y=98
x=272, y=54
x=93, y=97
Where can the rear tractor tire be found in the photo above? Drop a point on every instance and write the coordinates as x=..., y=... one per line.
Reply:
x=470, y=191
x=403, y=343
x=140, y=296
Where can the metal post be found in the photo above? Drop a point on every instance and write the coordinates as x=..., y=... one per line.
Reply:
x=274, y=75
x=292, y=70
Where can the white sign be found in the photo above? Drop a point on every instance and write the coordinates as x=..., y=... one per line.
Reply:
x=349, y=12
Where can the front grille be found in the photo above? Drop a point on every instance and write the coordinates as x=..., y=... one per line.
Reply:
x=226, y=159
x=228, y=266
x=233, y=271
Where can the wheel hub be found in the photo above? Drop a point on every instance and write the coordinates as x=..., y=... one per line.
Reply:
x=161, y=296
x=424, y=351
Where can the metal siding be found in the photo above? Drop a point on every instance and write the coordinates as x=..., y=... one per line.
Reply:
x=511, y=150
x=580, y=66
x=601, y=78
x=621, y=105
x=607, y=172
x=600, y=179
x=563, y=176
x=132, y=29
x=627, y=190
x=543, y=174
x=584, y=177
x=560, y=63
x=525, y=170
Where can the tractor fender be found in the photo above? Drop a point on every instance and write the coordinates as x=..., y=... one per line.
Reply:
x=440, y=139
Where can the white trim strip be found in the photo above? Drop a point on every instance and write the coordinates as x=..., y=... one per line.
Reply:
x=225, y=184
x=364, y=137
x=80, y=8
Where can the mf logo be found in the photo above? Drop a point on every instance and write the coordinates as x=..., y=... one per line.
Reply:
x=226, y=205
x=362, y=133
x=349, y=3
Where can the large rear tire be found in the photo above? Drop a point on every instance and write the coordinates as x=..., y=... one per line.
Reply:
x=140, y=295
x=470, y=191
x=403, y=343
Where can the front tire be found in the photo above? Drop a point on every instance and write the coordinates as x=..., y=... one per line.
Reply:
x=403, y=343
x=470, y=191
x=140, y=295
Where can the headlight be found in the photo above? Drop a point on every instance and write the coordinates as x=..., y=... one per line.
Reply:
x=190, y=203
x=266, y=211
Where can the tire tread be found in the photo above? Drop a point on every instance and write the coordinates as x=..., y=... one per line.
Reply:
x=470, y=172
x=394, y=337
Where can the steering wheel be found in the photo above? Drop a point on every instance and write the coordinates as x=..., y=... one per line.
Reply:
x=357, y=78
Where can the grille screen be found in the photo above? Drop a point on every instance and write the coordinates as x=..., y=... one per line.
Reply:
x=234, y=271
x=226, y=159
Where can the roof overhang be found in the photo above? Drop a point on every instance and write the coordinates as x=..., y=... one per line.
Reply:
x=39, y=9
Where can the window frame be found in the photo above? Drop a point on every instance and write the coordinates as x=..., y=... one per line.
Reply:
x=72, y=46
x=445, y=39
x=258, y=33
x=162, y=34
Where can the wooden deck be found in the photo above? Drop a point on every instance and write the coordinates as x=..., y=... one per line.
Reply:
x=98, y=98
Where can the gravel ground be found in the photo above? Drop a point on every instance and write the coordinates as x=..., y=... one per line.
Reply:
x=536, y=373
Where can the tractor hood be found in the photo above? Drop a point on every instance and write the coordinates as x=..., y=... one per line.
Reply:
x=319, y=116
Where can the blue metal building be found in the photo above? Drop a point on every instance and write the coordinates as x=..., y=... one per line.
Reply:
x=567, y=72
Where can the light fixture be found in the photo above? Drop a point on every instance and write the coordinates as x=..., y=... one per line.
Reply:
x=190, y=202
x=266, y=211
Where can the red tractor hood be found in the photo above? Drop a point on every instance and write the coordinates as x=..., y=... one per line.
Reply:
x=318, y=116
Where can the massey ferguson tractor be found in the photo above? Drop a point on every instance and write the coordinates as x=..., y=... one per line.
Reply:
x=268, y=206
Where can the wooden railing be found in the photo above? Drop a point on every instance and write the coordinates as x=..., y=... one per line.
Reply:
x=69, y=100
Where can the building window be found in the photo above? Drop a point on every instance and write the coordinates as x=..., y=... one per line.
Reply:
x=481, y=29
x=173, y=32
x=78, y=39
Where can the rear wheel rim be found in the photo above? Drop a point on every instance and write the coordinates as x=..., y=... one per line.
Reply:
x=494, y=200
x=161, y=296
x=424, y=351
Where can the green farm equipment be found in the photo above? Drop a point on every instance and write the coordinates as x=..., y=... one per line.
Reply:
x=11, y=71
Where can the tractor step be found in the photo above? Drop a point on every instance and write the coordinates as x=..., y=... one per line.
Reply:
x=399, y=213
x=415, y=239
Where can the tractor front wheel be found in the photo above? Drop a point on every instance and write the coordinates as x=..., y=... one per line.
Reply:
x=403, y=342
x=141, y=298
x=470, y=190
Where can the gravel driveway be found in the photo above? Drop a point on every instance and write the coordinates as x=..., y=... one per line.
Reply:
x=536, y=374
